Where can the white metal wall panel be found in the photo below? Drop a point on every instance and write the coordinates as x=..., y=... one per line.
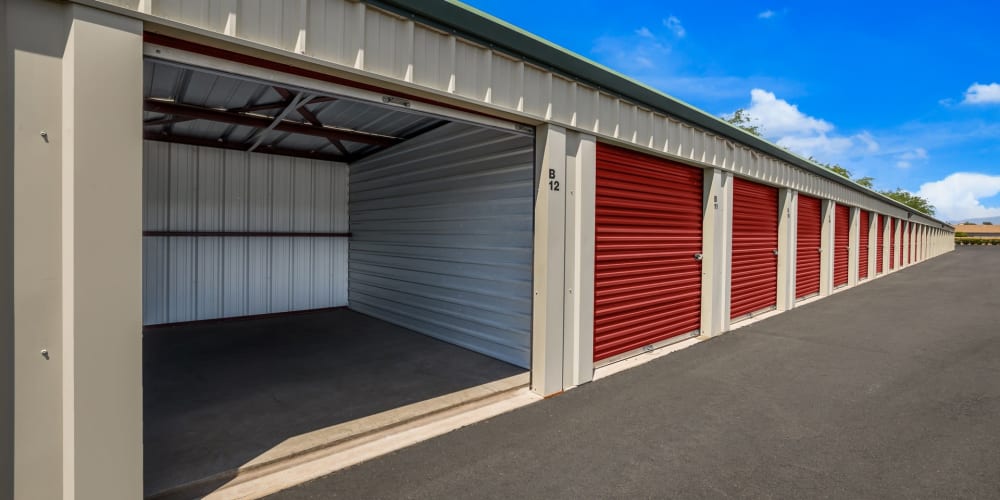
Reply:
x=189, y=188
x=442, y=238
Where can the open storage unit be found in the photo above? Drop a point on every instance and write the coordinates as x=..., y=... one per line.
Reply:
x=412, y=218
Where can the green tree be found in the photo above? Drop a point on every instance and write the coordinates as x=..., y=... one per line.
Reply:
x=835, y=168
x=987, y=223
x=868, y=182
x=911, y=200
x=740, y=118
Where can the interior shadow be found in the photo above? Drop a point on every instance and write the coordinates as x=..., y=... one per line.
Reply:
x=218, y=395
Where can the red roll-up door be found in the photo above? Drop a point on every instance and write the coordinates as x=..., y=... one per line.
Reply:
x=892, y=243
x=808, y=243
x=863, y=246
x=880, y=243
x=841, y=244
x=755, y=242
x=647, y=282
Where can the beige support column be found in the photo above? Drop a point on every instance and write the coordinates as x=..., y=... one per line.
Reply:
x=787, y=226
x=581, y=182
x=826, y=245
x=77, y=162
x=102, y=255
x=36, y=38
x=549, y=268
x=854, y=247
x=717, y=246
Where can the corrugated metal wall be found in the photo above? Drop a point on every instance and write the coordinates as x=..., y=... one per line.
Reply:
x=189, y=188
x=442, y=238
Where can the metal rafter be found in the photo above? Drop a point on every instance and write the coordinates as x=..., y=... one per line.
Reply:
x=260, y=122
x=239, y=146
x=258, y=136
x=312, y=118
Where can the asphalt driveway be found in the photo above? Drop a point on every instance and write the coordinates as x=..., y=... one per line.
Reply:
x=887, y=390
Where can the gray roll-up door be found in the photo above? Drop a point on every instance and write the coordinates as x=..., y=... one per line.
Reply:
x=442, y=238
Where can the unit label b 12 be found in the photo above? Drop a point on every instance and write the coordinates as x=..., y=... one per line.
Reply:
x=553, y=184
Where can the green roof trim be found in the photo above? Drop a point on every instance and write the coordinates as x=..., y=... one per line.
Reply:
x=480, y=27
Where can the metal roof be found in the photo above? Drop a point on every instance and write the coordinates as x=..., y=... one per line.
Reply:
x=478, y=26
x=203, y=107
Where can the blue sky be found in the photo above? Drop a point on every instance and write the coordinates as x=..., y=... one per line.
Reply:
x=906, y=93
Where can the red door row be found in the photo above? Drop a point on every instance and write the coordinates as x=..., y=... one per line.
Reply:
x=648, y=244
x=808, y=243
x=754, y=279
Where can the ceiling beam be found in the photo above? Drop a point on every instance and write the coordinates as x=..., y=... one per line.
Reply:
x=311, y=117
x=260, y=122
x=198, y=141
x=277, y=104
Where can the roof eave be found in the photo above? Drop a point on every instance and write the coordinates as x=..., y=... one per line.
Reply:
x=492, y=32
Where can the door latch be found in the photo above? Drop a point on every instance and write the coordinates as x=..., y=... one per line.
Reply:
x=697, y=256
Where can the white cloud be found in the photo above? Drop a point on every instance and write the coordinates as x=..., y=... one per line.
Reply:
x=767, y=14
x=916, y=154
x=958, y=196
x=823, y=147
x=783, y=123
x=675, y=26
x=982, y=94
x=640, y=52
x=870, y=144
x=905, y=159
x=781, y=118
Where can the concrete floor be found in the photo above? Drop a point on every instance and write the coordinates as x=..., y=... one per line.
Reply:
x=887, y=390
x=218, y=395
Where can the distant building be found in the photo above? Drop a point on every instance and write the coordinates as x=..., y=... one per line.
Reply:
x=979, y=230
